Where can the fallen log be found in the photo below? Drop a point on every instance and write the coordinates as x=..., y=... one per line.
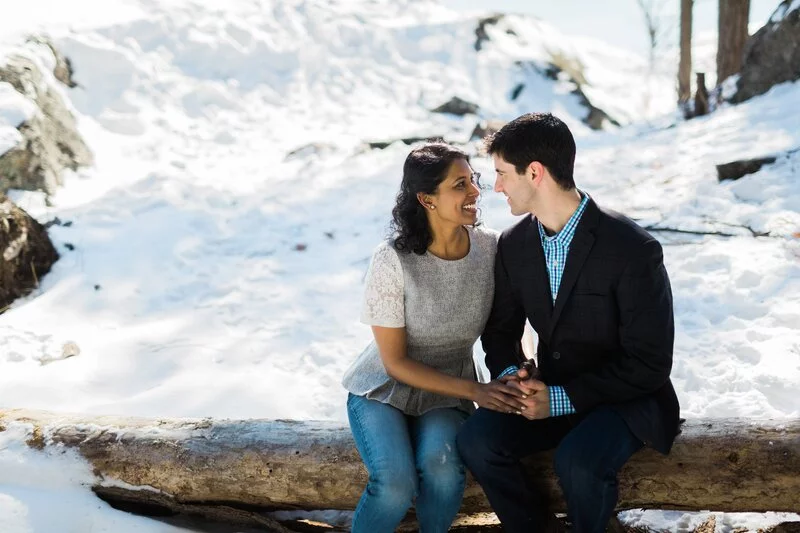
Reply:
x=737, y=169
x=724, y=465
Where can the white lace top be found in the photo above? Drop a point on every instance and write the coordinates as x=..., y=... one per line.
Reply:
x=443, y=305
x=384, y=297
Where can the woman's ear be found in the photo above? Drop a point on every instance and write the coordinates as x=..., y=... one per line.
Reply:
x=425, y=200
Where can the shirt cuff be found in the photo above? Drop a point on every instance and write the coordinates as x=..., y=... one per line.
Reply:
x=510, y=370
x=560, y=403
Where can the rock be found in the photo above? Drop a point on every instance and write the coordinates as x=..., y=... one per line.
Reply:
x=70, y=349
x=406, y=140
x=515, y=92
x=63, y=70
x=574, y=67
x=709, y=526
x=50, y=141
x=480, y=32
x=571, y=70
x=27, y=252
x=457, y=106
x=485, y=128
x=596, y=117
x=308, y=150
x=736, y=169
x=772, y=55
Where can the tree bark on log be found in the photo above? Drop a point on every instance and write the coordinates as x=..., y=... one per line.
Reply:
x=723, y=465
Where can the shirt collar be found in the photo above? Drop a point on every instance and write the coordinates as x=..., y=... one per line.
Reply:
x=564, y=236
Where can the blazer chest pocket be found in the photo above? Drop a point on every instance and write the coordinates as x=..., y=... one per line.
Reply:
x=597, y=314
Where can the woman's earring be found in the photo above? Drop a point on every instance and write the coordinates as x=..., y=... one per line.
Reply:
x=432, y=206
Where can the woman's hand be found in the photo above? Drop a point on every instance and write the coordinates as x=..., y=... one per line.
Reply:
x=499, y=396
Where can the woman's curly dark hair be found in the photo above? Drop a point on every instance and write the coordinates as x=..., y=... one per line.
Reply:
x=425, y=168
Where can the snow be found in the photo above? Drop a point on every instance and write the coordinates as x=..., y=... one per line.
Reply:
x=14, y=109
x=682, y=522
x=783, y=11
x=47, y=491
x=221, y=239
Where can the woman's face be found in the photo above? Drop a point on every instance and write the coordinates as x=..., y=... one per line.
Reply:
x=457, y=196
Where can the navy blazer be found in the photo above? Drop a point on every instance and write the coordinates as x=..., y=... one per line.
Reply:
x=608, y=339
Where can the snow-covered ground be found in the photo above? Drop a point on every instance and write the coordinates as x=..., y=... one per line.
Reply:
x=46, y=492
x=221, y=239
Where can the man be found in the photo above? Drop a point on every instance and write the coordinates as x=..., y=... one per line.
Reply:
x=593, y=285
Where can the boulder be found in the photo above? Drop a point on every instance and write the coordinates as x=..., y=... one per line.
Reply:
x=457, y=106
x=596, y=117
x=480, y=31
x=63, y=70
x=50, y=140
x=308, y=150
x=772, y=55
x=27, y=252
x=516, y=91
x=569, y=69
x=486, y=128
x=380, y=145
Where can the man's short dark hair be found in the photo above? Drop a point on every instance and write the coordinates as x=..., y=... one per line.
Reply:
x=538, y=137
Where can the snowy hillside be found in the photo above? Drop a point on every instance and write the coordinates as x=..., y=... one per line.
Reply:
x=226, y=141
x=221, y=240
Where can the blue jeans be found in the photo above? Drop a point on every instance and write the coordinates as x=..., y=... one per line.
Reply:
x=408, y=458
x=590, y=449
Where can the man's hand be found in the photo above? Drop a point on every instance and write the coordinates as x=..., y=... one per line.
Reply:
x=537, y=406
x=537, y=396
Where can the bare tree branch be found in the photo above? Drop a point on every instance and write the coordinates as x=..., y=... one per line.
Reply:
x=714, y=233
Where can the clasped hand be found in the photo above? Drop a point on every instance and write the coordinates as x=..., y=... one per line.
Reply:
x=515, y=393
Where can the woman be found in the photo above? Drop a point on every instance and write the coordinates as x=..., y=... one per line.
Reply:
x=428, y=295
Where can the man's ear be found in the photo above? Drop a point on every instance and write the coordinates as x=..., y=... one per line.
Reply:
x=537, y=172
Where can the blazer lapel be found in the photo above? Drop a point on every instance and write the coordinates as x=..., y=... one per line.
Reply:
x=579, y=249
x=538, y=282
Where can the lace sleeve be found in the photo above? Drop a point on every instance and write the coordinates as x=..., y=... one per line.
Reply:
x=383, y=294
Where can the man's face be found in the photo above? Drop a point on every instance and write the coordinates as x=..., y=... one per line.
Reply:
x=517, y=187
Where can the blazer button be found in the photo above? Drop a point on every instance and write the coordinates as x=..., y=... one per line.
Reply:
x=556, y=355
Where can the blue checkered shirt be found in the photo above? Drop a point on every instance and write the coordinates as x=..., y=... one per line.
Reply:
x=556, y=250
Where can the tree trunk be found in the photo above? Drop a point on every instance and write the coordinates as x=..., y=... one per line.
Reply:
x=724, y=465
x=733, y=18
x=685, y=65
x=700, y=96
